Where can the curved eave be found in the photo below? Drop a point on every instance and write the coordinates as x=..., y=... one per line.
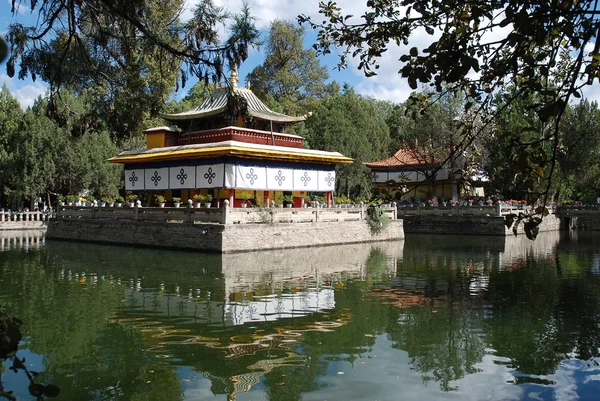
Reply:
x=188, y=115
x=254, y=113
x=397, y=166
x=229, y=151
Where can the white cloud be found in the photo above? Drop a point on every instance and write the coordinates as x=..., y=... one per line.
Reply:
x=25, y=94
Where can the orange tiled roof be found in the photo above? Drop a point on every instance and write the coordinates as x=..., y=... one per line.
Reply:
x=402, y=158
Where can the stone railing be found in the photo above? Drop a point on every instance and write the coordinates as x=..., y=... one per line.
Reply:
x=578, y=209
x=498, y=210
x=23, y=216
x=224, y=215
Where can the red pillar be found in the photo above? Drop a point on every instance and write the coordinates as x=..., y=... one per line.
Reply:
x=266, y=198
x=231, y=193
x=329, y=196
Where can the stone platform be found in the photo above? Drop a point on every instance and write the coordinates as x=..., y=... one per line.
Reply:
x=225, y=230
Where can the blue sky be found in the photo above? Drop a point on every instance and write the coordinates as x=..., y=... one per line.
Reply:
x=388, y=85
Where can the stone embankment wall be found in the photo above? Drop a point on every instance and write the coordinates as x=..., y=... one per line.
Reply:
x=470, y=225
x=589, y=221
x=218, y=237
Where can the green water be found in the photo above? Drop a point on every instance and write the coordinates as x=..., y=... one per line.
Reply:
x=430, y=318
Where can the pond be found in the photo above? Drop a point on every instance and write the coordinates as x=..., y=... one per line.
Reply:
x=428, y=318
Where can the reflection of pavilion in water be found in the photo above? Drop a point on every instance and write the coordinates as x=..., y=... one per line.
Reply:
x=22, y=239
x=264, y=286
x=469, y=266
x=246, y=315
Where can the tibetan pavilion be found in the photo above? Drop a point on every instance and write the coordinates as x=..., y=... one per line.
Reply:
x=410, y=169
x=231, y=147
x=406, y=168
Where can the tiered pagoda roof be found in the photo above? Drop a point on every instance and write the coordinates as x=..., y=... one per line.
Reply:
x=403, y=158
x=219, y=102
x=231, y=122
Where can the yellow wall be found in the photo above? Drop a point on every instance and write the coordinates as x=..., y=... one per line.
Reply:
x=155, y=140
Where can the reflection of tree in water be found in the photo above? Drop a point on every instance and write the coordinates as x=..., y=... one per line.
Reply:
x=545, y=311
x=443, y=346
x=435, y=322
x=521, y=325
x=66, y=315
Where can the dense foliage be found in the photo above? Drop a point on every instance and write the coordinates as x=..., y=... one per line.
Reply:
x=549, y=50
x=518, y=136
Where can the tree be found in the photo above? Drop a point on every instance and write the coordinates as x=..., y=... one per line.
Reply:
x=126, y=57
x=479, y=48
x=104, y=34
x=290, y=74
x=579, y=153
x=515, y=142
x=11, y=116
x=349, y=123
x=433, y=136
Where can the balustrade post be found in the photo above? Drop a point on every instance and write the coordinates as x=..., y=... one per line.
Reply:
x=188, y=211
x=318, y=208
x=136, y=209
x=395, y=211
x=498, y=209
x=225, y=211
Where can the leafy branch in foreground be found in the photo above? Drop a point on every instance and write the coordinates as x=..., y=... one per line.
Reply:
x=547, y=49
x=376, y=219
x=10, y=336
x=107, y=39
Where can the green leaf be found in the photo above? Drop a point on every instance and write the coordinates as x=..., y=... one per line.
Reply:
x=52, y=390
x=529, y=129
x=515, y=229
x=414, y=52
x=36, y=389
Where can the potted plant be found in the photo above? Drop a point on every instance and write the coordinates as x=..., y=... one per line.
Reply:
x=244, y=196
x=131, y=198
x=119, y=201
x=279, y=199
x=288, y=200
x=209, y=199
x=199, y=198
x=176, y=201
x=305, y=199
x=160, y=200
x=107, y=201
